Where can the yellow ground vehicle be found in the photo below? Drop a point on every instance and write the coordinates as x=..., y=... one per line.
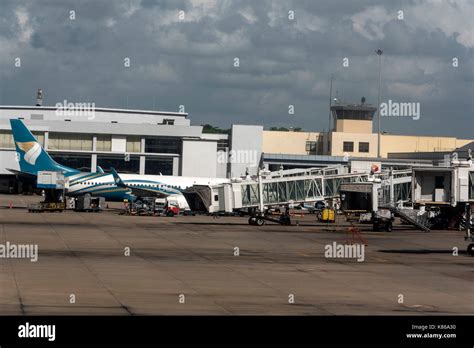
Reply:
x=327, y=215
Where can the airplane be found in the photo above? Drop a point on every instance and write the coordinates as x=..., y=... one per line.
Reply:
x=33, y=158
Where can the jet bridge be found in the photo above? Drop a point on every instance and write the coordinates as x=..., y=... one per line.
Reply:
x=286, y=188
x=448, y=192
x=441, y=196
x=378, y=201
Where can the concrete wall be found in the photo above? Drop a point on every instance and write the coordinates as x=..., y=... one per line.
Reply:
x=406, y=143
x=338, y=139
x=245, y=149
x=354, y=126
x=100, y=115
x=119, y=143
x=222, y=162
x=199, y=158
x=8, y=160
x=221, y=166
x=287, y=142
x=294, y=143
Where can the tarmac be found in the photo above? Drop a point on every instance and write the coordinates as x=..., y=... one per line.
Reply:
x=110, y=264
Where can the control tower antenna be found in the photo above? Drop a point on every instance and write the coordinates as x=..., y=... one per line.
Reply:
x=39, y=97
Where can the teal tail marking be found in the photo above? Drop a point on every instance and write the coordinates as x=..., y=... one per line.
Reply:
x=31, y=155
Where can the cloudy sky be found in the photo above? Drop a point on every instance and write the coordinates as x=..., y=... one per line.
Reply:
x=287, y=51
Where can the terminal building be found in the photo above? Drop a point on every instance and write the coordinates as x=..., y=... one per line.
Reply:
x=132, y=141
x=352, y=137
x=154, y=142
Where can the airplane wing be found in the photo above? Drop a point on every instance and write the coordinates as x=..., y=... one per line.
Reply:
x=145, y=192
x=137, y=191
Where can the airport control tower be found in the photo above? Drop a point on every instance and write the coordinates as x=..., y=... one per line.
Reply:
x=352, y=132
x=353, y=118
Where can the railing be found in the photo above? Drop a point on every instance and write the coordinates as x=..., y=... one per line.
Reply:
x=312, y=185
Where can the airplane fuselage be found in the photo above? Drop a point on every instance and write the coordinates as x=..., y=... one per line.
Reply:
x=103, y=184
x=33, y=158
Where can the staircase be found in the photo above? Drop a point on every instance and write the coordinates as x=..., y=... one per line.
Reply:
x=411, y=216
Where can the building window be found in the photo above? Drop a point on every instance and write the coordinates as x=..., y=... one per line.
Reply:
x=156, y=165
x=133, y=144
x=36, y=117
x=76, y=161
x=6, y=139
x=104, y=143
x=119, y=163
x=39, y=137
x=311, y=147
x=163, y=145
x=348, y=146
x=363, y=147
x=222, y=145
x=439, y=182
x=68, y=141
x=168, y=121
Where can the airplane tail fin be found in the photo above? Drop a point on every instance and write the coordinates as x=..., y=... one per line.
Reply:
x=117, y=179
x=30, y=154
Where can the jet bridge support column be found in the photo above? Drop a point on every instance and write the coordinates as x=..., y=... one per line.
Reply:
x=258, y=217
x=257, y=214
x=469, y=236
x=260, y=192
x=392, y=189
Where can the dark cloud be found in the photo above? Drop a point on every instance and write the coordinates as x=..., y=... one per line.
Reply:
x=282, y=61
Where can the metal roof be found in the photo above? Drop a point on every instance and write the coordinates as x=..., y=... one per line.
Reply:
x=99, y=109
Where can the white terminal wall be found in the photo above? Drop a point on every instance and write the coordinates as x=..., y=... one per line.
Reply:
x=119, y=143
x=107, y=115
x=246, y=149
x=221, y=169
x=222, y=153
x=8, y=161
x=199, y=158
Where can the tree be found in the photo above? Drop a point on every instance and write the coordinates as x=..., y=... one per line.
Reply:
x=209, y=129
x=284, y=129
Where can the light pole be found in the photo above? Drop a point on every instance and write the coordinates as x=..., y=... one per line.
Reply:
x=330, y=114
x=379, y=53
x=330, y=102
